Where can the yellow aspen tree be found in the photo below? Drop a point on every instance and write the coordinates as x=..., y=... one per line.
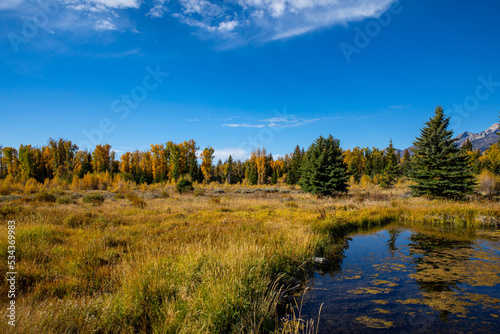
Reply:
x=207, y=168
x=125, y=162
x=261, y=160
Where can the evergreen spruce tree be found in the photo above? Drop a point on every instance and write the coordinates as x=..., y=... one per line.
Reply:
x=274, y=178
x=406, y=163
x=354, y=168
x=229, y=172
x=467, y=146
x=323, y=170
x=439, y=167
x=293, y=174
x=391, y=169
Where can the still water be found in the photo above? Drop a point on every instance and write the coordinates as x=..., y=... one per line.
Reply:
x=410, y=280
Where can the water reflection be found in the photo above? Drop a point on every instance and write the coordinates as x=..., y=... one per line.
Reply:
x=410, y=280
x=392, y=241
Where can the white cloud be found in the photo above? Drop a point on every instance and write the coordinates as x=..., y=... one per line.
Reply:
x=275, y=122
x=10, y=4
x=238, y=21
x=100, y=5
x=158, y=10
x=202, y=7
x=277, y=19
x=103, y=25
x=235, y=153
x=242, y=125
x=119, y=3
x=227, y=26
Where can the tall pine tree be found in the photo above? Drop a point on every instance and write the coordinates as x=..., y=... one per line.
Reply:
x=323, y=169
x=293, y=174
x=439, y=167
x=391, y=169
x=406, y=163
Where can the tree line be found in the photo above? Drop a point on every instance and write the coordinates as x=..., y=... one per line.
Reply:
x=171, y=161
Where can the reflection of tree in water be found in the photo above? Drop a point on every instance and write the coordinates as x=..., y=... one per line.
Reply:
x=391, y=243
x=336, y=254
x=440, y=265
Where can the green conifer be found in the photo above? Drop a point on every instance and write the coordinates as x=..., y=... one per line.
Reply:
x=439, y=167
x=323, y=169
x=391, y=170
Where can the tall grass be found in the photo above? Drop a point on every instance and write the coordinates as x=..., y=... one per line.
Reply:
x=188, y=263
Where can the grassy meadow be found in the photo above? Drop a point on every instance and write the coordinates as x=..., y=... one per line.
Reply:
x=217, y=260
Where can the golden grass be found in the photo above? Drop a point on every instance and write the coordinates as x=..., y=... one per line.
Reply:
x=158, y=262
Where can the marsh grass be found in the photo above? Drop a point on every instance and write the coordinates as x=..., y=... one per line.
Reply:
x=188, y=263
x=45, y=197
x=292, y=322
x=136, y=201
x=93, y=198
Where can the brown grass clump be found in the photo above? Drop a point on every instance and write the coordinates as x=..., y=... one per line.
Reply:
x=136, y=201
x=93, y=198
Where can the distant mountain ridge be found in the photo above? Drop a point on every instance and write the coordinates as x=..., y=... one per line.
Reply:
x=480, y=141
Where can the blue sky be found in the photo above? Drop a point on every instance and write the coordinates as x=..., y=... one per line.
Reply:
x=244, y=73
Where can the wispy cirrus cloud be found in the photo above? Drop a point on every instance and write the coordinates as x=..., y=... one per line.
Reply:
x=104, y=25
x=275, y=122
x=275, y=19
x=243, y=125
x=10, y=4
x=400, y=106
x=240, y=20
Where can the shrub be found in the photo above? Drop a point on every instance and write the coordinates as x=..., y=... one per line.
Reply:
x=136, y=201
x=9, y=210
x=94, y=198
x=78, y=219
x=199, y=192
x=215, y=200
x=184, y=186
x=5, y=188
x=89, y=182
x=489, y=183
x=365, y=181
x=65, y=199
x=31, y=186
x=45, y=197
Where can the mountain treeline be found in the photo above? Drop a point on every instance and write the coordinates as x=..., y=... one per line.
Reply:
x=62, y=160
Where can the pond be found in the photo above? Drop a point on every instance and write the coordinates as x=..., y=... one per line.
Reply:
x=410, y=280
